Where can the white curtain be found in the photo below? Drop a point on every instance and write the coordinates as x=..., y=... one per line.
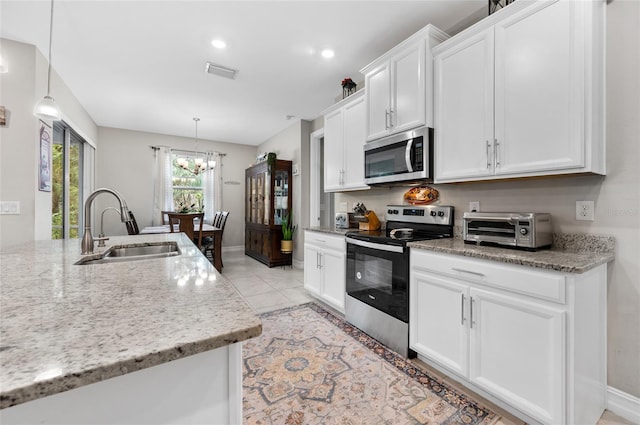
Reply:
x=163, y=182
x=213, y=187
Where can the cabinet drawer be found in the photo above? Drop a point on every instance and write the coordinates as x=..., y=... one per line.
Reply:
x=545, y=285
x=325, y=240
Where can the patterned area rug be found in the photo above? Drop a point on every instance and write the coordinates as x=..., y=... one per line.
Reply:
x=311, y=367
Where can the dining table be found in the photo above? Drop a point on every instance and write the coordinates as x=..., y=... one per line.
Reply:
x=207, y=231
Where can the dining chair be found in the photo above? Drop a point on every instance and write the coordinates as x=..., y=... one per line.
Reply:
x=165, y=217
x=132, y=225
x=186, y=224
x=219, y=221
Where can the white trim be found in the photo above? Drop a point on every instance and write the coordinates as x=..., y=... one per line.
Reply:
x=79, y=131
x=623, y=404
x=314, y=182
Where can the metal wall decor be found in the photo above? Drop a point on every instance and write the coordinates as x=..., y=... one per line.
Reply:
x=494, y=5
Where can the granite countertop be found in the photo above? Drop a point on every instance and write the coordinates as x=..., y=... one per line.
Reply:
x=63, y=326
x=570, y=253
x=331, y=230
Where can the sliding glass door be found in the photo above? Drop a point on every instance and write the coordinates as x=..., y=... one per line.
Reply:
x=68, y=181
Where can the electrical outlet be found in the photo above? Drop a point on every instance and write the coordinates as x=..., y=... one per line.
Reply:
x=474, y=206
x=585, y=210
x=10, y=207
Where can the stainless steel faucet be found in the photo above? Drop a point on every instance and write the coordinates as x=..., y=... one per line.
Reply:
x=87, y=237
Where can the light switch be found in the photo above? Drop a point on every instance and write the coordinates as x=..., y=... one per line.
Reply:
x=9, y=207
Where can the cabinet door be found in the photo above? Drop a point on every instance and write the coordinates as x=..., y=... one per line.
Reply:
x=438, y=317
x=333, y=151
x=539, y=83
x=408, y=88
x=333, y=265
x=464, y=109
x=378, y=84
x=354, y=139
x=517, y=352
x=312, y=271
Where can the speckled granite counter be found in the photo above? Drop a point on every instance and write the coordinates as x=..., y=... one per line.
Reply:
x=64, y=326
x=570, y=253
x=331, y=230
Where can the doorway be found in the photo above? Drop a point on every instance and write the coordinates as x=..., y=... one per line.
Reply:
x=321, y=205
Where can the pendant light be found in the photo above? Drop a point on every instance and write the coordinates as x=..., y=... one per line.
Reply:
x=199, y=164
x=47, y=109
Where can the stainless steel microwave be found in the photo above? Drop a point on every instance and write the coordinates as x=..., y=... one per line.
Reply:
x=402, y=157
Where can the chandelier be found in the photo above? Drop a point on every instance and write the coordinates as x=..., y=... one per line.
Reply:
x=199, y=164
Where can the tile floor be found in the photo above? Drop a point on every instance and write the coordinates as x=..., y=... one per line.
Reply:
x=267, y=289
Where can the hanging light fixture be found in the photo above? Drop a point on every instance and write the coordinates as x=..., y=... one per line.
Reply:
x=199, y=164
x=47, y=108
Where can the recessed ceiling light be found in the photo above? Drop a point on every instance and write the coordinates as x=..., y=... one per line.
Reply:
x=218, y=44
x=327, y=53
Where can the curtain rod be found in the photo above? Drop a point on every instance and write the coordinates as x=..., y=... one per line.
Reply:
x=155, y=148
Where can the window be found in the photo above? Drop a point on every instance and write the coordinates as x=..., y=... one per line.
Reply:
x=68, y=181
x=188, y=189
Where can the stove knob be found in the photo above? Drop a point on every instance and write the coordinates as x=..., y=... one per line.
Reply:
x=432, y=213
x=440, y=213
x=396, y=211
x=389, y=211
x=523, y=231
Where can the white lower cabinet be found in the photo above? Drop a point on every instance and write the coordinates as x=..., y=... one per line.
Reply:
x=490, y=326
x=325, y=267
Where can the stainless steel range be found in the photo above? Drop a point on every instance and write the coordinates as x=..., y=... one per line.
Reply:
x=377, y=281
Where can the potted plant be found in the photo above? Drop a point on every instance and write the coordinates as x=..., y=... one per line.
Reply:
x=288, y=230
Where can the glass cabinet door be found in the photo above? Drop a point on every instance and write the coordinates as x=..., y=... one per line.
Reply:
x=281, y=196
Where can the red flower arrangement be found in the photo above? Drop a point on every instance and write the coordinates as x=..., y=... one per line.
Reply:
x=348, y=82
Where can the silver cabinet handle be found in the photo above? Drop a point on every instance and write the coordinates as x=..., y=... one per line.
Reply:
x=467, y=271
x=320, y=262
x=462, y=310
x=386, y=119
x=471, y=323
x=317, y=260
x=488, y=161
x=496, y=155
x=391, y=112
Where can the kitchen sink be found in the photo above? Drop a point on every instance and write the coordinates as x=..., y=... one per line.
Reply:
x=122, y=253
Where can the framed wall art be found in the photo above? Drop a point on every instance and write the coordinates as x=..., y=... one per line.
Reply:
x=44, y=169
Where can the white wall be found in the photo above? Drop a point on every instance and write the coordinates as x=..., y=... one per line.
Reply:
x=125, y=162
x=292, y=144
x=616, y=196
x=20, y=89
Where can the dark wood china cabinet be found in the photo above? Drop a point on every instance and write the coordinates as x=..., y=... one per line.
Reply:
x=268, y=201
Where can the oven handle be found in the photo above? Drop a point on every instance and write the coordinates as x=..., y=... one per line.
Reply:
x=381, y=247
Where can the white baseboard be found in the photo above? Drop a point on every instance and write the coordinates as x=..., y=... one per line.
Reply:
x=623, y=404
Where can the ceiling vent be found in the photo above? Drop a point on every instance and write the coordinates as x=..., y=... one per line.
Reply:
x=221, y=71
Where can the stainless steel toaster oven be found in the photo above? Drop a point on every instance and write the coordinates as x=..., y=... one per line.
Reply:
x=520, y=230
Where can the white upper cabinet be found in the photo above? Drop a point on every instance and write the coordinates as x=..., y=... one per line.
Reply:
x=464, y=109
x=344, y=128
x=400, y=86
x=521, y=94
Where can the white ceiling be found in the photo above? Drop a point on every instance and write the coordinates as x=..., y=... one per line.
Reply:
x=139, y=65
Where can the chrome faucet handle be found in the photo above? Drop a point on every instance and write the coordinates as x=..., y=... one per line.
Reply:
x=101, y=238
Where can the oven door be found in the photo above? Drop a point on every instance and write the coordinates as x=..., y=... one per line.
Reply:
x=378, y=275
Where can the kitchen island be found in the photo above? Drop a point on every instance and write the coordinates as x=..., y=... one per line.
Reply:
x=155, y=340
